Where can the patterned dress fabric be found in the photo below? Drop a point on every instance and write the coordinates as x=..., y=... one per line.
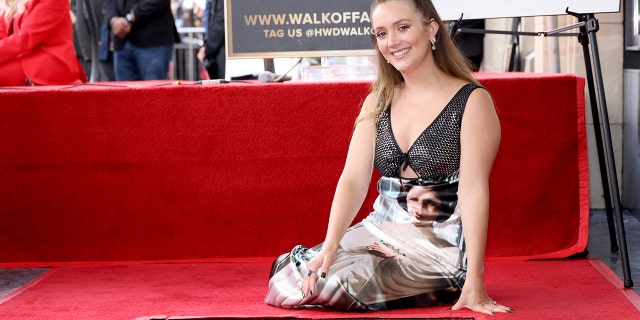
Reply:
x=391, y=260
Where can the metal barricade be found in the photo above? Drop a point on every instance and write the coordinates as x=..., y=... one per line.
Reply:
x=184, y=63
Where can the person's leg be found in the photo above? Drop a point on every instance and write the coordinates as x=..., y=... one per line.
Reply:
x=153, y=62
x=12, y=73
x=221, y=62
x=212, y=68
x=124, y=64
x=216, y=64
x=106, y=71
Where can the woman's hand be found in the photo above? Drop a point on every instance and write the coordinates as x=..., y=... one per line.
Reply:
x=475, y=298
x=317, y=268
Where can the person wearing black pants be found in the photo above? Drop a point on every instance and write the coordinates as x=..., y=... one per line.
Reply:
x=214, y=56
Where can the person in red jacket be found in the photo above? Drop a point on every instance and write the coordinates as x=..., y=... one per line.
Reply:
x=36, y=44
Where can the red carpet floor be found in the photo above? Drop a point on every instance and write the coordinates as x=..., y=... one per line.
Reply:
x=550, y=289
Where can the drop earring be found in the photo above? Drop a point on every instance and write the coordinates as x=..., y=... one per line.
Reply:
x=433, y=43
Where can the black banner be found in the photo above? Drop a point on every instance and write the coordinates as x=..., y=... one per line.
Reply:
x=298, y=28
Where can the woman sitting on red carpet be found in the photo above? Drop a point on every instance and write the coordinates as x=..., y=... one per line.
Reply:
x=433, y=133
x=36, y=44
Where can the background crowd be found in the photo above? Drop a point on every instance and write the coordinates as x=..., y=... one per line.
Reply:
x=133, y=40
x=129, y=40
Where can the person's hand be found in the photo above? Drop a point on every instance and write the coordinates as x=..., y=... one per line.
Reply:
x=317, y=269
x=201, y=54
x=475, y=298
x=120, y=27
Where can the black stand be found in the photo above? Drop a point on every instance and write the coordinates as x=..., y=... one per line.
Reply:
x=588, y=28
x=588, y=25
x=583, y=38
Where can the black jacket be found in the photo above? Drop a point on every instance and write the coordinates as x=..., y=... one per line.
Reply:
x=214, y=44
x=215, y=29
x=153, y=26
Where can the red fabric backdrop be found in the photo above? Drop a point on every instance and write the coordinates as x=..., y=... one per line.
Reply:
x=159, y=172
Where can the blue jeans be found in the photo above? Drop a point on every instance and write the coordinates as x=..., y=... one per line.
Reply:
x=137, y=63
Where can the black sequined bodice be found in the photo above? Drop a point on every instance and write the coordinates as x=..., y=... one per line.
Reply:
x=436, y=152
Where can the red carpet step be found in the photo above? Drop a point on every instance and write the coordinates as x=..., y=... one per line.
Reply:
x=550, y=289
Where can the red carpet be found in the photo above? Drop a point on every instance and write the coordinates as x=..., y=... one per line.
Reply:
x=147, y=172
x=551, y=289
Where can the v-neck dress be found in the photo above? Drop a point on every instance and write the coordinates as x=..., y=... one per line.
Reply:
x=409, y=251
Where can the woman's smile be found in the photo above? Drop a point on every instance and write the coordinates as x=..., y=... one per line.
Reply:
x=400, y=53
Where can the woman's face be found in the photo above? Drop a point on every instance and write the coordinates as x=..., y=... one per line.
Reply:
x=401, y=35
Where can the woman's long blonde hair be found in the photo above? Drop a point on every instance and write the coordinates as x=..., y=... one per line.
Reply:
x=447, y=58
x=12, y=8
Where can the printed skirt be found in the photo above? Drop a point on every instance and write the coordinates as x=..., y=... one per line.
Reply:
x=408, y=252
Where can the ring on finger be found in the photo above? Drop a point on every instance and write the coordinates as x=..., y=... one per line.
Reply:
x=310, y=272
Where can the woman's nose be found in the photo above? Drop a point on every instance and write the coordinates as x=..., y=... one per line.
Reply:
x=393, y=39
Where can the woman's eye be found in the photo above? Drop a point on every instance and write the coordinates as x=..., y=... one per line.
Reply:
x=402, y=28
x=380, y=34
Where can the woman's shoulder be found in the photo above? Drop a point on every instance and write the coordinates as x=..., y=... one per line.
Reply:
x=474, y=90
x=479, y=94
